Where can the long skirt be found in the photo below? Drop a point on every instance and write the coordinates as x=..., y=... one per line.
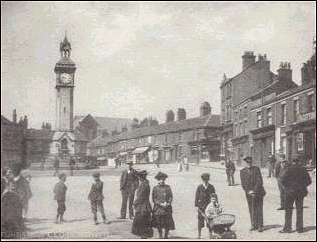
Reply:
x=141, y=225
x=163, y=221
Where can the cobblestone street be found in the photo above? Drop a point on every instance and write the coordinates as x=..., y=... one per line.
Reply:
x=80, y=223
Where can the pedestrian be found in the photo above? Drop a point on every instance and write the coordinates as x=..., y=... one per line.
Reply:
x=56, y=166
x=252, y=184
x=42, y=163
x=202, y=199
x=72, y=164
x=180, y=163
x=12, y=224
x=22, y=187
x=230, y=170
x=162, y=198
x=60, y=196
x=295, y=181
x=128, y=185
x=186, y=164
x=96, y=198
x=280, y=167
x=271, y=164
x=4, y=179
x=141, y=225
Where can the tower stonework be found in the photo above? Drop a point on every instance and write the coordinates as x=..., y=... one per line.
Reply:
x=65, y=74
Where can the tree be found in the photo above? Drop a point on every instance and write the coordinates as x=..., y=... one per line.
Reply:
x=135, y=123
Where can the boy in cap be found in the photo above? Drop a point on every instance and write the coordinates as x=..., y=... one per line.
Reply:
x=96, y=198
x=60, y=196
x=202, y=199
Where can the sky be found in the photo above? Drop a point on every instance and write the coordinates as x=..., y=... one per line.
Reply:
x=136, y=59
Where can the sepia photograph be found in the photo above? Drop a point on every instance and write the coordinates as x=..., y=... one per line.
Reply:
x=158, y=120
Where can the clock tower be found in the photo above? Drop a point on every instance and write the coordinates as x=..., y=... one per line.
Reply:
x=65, y=74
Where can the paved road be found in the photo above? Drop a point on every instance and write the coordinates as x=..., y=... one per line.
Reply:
x=79, y=219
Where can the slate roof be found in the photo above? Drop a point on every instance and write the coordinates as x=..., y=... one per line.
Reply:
x=210, y=120
x=106, y=122
x=5, y=121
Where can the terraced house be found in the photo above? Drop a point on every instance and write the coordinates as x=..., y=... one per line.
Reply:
x=198, y=138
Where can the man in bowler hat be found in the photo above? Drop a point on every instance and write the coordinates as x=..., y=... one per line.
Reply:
x=128, y=185
x=252, y=184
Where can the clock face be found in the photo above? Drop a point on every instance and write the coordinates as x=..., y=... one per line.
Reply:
x=65, y=78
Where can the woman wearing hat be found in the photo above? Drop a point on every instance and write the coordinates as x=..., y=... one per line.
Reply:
x=141, y=225
x=162, y=197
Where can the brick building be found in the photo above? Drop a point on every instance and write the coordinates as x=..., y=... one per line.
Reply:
x=253, y=105
x=198, y=138
x=12, y=140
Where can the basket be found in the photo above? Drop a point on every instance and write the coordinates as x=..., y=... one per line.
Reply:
x=224, y=219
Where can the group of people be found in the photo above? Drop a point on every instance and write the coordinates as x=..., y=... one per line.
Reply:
x=15, y=195
x=293, y=180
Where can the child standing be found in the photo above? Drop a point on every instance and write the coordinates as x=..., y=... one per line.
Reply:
x=96, y=198
x=60, y=196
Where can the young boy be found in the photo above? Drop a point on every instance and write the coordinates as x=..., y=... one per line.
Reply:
x=96, y=198
x=202, y=199
x=60, y=196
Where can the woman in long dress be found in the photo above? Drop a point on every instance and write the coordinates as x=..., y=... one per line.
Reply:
x=141, y=225
x=162, y=197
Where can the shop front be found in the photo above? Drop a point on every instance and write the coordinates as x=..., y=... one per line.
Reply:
x=140, y=155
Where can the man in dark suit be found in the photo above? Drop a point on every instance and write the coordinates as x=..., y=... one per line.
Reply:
x=280, y=167
x=128, y=185
x=252, y=184
x=271, y=164
x=230, y=170
x=295, y=181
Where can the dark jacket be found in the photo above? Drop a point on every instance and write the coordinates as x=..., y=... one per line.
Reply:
x=295, y=180
x=161, y=194
x=230, y=166
x=251, y=180
x=142, y=201
x=129, y=181
x=202, y=197
x=23, y=189
x=96, y=191
x=60, y=191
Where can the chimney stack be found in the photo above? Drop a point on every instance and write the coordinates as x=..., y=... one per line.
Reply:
x=170, y=116
x=248, y=59
x=14, y=116
x=205, y=109
x=285, y=72
x=181, y=114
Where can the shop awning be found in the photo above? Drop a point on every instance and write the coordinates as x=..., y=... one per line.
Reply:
x=101, y=158
x=123, y=153
x=140, y=150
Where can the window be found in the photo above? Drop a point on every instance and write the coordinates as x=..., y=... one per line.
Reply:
x=242, y=130
x=180, y=136
x=269, y=116
x=245, y=111
x=236, y=130
x=165, y=138
x=296, y=110
x=283, y=145
x=236, y=115
x=300, y=141
x=310, y=103
x=259, y=119
x=283, y=112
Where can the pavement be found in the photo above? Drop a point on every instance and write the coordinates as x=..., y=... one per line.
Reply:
x=79, y=223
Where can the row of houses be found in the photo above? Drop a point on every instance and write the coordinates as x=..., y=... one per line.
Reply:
x=264, y=113
x=198, y=138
